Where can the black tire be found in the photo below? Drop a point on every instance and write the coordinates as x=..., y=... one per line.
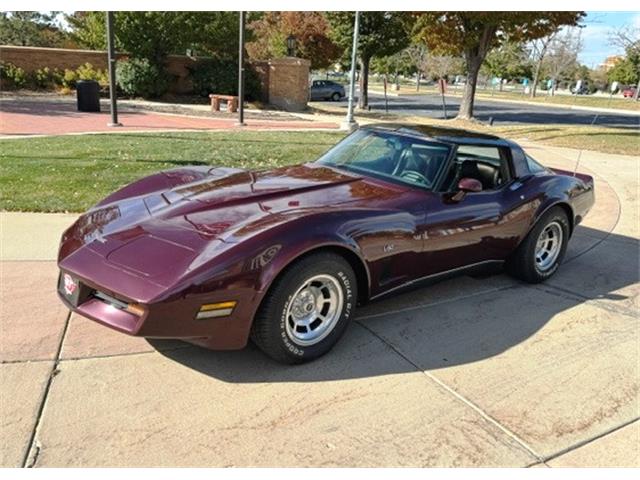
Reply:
x=270, y=332
x=523, y=265
x=336, y=97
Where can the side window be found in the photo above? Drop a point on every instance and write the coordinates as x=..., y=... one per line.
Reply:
x=534, y=167
x=488, y=164
x=490, y=155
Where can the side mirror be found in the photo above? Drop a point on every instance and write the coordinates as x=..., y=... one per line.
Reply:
x=466, y=185
x=469, y=185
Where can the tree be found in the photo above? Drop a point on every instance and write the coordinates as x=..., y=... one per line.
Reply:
x=627, y=71
x=508, y=61
x=417, y=54
x=441, y=66
x=154, y=35
x=624, y=72
x=539, y=49
x=474, y=34
x=33, y=29
x=310, y=29
x=599, y=76
x=396, y=65
x=381, y=34
x=562, y=56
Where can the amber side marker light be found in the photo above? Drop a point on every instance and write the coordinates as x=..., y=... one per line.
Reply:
x=135, y=309
x=214, y=310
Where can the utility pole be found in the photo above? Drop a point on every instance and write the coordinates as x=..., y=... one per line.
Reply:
x=241, y=72
x=349, y=123
x=112, y=72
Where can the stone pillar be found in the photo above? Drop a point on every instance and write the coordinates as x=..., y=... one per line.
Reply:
x=289, y=83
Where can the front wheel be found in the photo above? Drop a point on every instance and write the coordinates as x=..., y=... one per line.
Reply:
x=336, y=97
x=540, y=253
x=307, y=309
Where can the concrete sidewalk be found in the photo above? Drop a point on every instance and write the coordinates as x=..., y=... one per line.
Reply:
x=469, y=372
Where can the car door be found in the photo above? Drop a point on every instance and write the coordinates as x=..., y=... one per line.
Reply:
x=324, y=90
x=313, y=90
x=479, y=228
x=391, y=239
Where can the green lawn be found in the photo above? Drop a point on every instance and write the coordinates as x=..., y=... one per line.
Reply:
x=71, y=173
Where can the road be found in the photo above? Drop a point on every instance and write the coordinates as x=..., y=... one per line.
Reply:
x=430, y=105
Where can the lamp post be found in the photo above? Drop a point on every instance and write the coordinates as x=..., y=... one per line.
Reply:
x=112, y=72
x=291, y=46
x=241, y=72
x=349, y=123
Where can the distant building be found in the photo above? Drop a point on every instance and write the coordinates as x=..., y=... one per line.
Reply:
x=610, y=62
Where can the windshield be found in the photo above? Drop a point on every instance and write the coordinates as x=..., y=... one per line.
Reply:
x=391, y=156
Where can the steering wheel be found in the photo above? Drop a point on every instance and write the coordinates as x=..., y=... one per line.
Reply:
x=415, y=177
x=402, y=161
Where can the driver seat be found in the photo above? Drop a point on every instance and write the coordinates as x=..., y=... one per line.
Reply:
x=485, y=174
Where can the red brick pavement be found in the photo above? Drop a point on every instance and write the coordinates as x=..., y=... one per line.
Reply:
x=49, y=118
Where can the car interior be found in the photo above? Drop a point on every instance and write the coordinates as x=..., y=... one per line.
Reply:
x=421, y=163
x=416, y=163
x=489, y=165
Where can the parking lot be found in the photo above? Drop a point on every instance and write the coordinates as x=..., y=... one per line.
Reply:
x=475, y=371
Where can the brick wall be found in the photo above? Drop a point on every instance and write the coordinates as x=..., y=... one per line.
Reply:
x=285, y=81
x=33, y=58
x=289, y=83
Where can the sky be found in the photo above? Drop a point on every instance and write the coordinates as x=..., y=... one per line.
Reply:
x=595, y=35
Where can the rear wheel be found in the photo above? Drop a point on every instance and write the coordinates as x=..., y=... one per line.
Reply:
x=539, y=255
x=335, y=97
x=307, y=309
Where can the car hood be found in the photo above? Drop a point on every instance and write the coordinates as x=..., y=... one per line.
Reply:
x=161, y=236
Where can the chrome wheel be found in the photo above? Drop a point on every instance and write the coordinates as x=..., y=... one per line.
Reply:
x=548, y=246
x=314, y=310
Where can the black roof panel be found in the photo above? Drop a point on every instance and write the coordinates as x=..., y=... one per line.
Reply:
x=443, y=134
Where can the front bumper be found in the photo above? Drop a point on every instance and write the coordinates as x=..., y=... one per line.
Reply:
x=174, y=319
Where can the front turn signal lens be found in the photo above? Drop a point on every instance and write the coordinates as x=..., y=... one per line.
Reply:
x=215, y=310
x=136, y=309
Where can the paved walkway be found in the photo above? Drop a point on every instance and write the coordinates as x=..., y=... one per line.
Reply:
x=468, y=372
x=40, y=117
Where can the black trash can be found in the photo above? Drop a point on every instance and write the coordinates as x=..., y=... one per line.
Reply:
x=88, y=92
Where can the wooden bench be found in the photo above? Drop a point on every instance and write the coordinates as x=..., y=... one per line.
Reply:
x=232, y=102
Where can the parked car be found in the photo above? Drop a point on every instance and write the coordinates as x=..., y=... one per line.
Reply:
x=629, y=92
x=326, y=90
x=217, y=255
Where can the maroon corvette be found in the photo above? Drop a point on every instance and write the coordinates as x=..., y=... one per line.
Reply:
x=215, y=256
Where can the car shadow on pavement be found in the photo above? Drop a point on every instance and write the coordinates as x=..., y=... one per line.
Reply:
x=459, y=325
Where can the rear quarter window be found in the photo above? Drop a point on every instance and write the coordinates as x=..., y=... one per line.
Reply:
x=534, y=166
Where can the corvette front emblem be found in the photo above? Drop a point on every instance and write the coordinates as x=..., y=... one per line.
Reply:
x=69, y=284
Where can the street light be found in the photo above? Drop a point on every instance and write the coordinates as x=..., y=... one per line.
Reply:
x=291, y=46
x=111, y=57
x=241, y=71
x=349, y=123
